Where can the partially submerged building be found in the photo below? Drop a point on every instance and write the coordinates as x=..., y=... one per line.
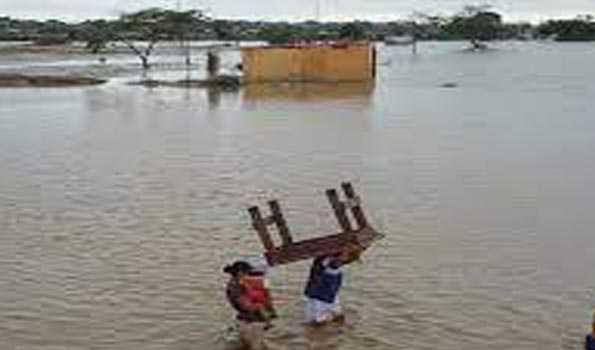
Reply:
x=318, y=62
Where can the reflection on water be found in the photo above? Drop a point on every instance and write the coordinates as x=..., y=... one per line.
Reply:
x=307, y=91
x=119, y=204
x=214, y=98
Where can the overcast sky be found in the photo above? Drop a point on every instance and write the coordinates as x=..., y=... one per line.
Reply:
x=74, y=10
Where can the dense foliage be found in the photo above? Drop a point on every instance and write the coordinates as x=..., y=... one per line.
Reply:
x=473, y=23
x=578, y=29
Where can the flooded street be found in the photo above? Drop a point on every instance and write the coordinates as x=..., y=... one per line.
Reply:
x=119, y=205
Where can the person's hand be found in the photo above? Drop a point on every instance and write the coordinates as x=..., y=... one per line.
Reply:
x=352, y=252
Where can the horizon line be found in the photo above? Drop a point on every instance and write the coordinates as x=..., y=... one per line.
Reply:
x=534, y=19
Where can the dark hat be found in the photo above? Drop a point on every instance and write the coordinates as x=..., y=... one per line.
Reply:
x=237, y=267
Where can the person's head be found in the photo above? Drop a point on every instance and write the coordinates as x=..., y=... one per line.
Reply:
x=334, y=260
x=339, y=258
x=237, y=269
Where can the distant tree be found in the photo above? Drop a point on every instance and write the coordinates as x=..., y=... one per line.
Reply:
x=141, y=31
x=477, y=24
x=223, y=30
x=352, y=31
x=153, y=25
x=279, y=34
x=54, y=26
x=581, y=28
x=95, y=33
x=428, y=26
x=518, y=31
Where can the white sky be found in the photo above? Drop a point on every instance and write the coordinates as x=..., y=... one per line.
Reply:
x=74, y=10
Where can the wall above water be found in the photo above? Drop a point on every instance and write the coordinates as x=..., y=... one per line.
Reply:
x=314, y=63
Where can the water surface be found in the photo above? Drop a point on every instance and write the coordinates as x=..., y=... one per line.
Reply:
x=119, y=205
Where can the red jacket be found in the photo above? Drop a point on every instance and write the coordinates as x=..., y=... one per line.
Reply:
x=254, y=292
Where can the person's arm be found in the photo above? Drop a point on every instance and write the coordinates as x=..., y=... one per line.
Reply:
x=234, y=296
x=270, y=306
x=314, y=275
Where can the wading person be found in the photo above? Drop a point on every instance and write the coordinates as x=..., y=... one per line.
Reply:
x=590, y=338
x=323, y=286
x=256, y=292
x=248, y=294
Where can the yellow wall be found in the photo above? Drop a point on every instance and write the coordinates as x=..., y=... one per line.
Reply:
x=308, y=64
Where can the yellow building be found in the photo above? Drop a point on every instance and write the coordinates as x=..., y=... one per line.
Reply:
x=336, y=62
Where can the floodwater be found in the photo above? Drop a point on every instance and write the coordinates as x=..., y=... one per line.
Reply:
x=119, y=205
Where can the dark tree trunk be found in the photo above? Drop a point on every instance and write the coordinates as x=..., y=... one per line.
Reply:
x=478, y=45
x=145, y=61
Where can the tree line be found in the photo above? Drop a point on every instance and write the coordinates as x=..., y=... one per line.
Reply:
x=473, y=23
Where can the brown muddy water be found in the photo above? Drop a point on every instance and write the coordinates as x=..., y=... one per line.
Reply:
x=119, y=204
